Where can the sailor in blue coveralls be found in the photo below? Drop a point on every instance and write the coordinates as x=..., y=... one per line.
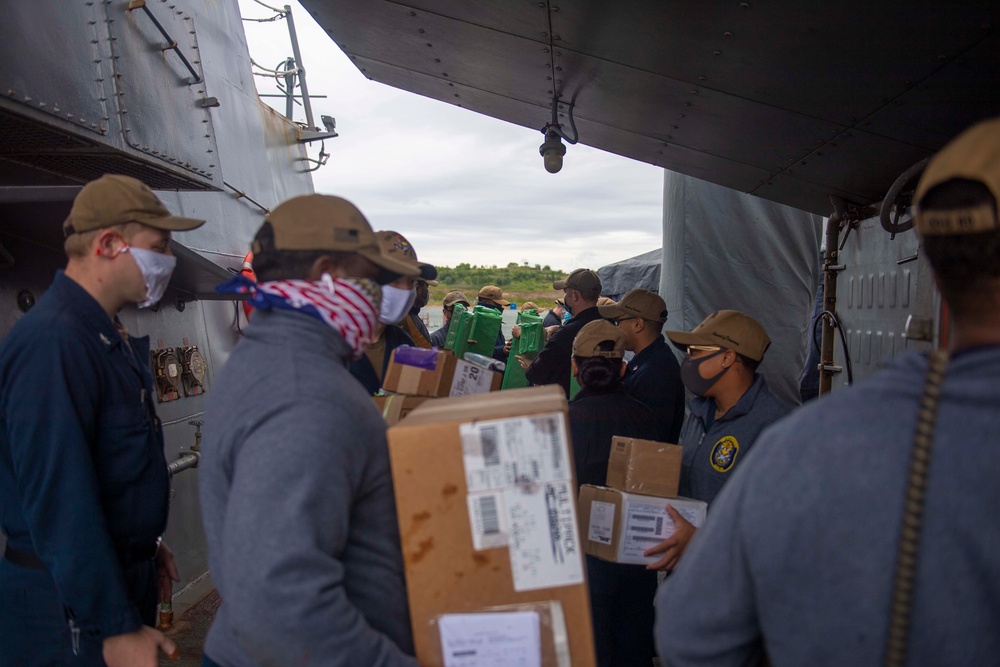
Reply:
x=83, y=479
x=731, y=406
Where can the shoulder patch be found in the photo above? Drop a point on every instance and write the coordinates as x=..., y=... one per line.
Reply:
x=723, y=454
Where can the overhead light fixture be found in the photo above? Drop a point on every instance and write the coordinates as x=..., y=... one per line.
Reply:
x=553, y=149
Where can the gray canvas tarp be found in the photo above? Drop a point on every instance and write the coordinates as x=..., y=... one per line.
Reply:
x=639, y=271
x=723, y=249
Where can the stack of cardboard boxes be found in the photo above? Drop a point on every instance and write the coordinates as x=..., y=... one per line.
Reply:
x=415, y=375
x=490, y=535
x=623, y=519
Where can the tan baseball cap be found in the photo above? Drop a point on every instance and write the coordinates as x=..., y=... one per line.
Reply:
x=114, y=199
x=583, y=280
x=730, y=329
x=395, y=245
x=588, y=340
x=973, y=155
x=605, y=301
x=637, y=302
x=325, y=222
x=453, y=297
x=529, y=305
x=494, y=294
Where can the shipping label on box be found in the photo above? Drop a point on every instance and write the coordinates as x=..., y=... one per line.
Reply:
x=621, y=526
x=602, y=522
x=502, y=453
x=473, y=379
x=521, y=464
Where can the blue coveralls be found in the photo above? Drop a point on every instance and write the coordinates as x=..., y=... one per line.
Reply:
x=713, y=447
x=83, y=482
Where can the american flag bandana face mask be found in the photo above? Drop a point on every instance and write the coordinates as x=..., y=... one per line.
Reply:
x=350, y=306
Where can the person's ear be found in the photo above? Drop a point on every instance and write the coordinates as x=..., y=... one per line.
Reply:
x=325, y=264
x=108, y=244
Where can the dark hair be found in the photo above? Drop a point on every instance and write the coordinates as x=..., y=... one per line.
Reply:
x=750, y=364
x=964, y=264
x=599, y=373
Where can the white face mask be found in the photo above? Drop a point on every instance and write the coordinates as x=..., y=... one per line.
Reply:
x=395, y=304
x=156, y=269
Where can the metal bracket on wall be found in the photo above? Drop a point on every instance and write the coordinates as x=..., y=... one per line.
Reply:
x=171, y=42
x=242, y=195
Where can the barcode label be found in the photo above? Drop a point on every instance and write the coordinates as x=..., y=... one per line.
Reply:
x=491, y=519
x=491, y=448
x=488, y=521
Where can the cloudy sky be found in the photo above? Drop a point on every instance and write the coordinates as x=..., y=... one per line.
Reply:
x=460, y=186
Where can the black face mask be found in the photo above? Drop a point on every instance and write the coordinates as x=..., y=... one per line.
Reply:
x=693, y=380
x=490, y=305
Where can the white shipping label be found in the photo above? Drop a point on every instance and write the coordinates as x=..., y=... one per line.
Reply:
x=470, y=379
x=602, y=522
x=488, y=519
x=648, y=524
x=544, y=542
x=501, y=453
x=503, y=639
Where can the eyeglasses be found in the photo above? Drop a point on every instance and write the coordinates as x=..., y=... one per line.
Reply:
x=704, y=348
x=618, y=321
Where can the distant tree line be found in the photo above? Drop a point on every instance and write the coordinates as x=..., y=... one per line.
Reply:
x=514, y=276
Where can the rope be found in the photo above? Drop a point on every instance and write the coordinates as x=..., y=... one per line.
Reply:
x=276, y=73
x=913, y=513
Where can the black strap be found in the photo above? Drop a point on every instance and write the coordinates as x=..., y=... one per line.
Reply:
x=127, y=556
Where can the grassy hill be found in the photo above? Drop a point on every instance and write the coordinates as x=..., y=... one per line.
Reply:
x=519, y=282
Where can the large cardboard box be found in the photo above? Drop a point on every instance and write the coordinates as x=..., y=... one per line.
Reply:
x=407, y=379
x=645, y=467
x=619, y=526
x=448, y=377
x=487, y=514
x=396, y=406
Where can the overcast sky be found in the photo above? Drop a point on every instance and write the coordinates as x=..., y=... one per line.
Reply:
x=460, y=186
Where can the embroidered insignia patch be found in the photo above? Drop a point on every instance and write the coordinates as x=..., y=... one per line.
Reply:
x=724, y=453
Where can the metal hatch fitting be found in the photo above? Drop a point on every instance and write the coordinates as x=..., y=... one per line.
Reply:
x=167, y=373
x=193, y=368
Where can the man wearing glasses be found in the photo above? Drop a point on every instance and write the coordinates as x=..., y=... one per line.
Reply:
x=653, y=376
x=731, y=406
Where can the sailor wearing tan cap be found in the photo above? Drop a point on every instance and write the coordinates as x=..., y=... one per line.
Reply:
x=439, y=337
x=653, y=375
x=491, y=296
x=807, y=553
x=731, y=406
x=581, y=290
x=296, y=494
x=83, y=482
x=621, y=596
x=398, y=297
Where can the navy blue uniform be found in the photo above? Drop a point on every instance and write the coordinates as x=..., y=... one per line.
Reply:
x=83, y=482
x=654, y=377
x=621, y=596
x=552, y=365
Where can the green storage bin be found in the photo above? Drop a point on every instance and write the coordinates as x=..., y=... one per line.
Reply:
x=483, y=331
x=453, y=326
x=529, y=344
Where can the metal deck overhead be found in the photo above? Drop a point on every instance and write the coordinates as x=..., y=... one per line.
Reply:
x=789, y=100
